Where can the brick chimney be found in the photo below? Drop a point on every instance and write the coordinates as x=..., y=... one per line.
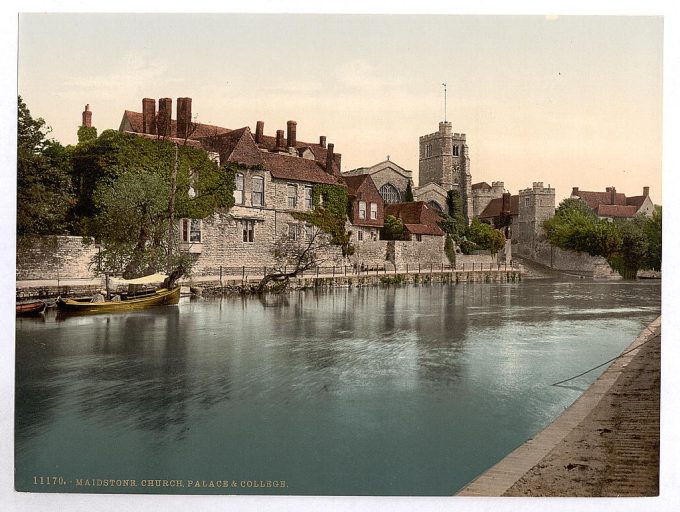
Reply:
x=337, y=158
x=259, y=132
x=645, y=191
x=279, y=139
x=149, y=116
x=574, y=191
x=505, y=204
x=612, y=191
x=183, y=118
x=87, y=116
x=329, y=159
x=164, y=117
x=292, y=128
x=322, y=141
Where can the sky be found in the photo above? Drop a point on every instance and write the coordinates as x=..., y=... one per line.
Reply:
x=566, y=100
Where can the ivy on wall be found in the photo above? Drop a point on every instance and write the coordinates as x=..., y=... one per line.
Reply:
x=329, y=214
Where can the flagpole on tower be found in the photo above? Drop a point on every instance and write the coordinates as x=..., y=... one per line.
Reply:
x=444, y=84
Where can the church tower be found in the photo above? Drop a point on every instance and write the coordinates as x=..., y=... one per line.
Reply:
x=444, y=160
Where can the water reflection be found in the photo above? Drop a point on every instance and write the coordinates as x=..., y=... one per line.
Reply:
x=348, y=391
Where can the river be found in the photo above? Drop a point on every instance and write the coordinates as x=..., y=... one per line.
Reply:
x=409, y=390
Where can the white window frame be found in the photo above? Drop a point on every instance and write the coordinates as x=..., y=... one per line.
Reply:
x=292, y=232
x=257, y=193
x=248, y=231
x=309, y=202
x=374, y=211
x=239, y=193
x=309, y=232
x=191, y=231
x=291, y=198
x=362, y=209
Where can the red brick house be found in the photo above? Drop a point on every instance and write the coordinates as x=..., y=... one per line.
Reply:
x=366, y=208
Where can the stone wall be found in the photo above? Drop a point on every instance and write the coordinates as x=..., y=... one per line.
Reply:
x=370, y=253
x=56, y=257
x=429, y=251
x=572, y=262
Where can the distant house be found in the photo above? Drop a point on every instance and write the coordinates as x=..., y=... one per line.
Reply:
x=611, y=204
x=366, y=210
x=502, y=212
x=420, y=220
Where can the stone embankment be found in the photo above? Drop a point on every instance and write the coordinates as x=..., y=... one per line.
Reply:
x=245, y=283
x=605, y=444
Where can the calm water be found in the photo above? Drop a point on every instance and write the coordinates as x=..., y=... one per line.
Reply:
x=385, y=391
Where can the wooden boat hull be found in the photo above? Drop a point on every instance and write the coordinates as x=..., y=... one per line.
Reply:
x=31, y=308
x=162, y=297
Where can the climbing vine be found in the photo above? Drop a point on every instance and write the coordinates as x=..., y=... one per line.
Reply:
x=329, y=214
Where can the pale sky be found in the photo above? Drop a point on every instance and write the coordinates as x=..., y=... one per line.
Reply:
x=568, y=100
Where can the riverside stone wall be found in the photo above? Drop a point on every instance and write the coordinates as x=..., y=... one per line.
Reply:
x=572, y=262
x=56, y=257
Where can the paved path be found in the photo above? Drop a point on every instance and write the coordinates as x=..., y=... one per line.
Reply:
x=605, y=444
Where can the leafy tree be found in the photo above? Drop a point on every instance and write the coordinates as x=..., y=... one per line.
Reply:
x=652, y=230
x=393, y=229
x=485, y=237
x=408, y=195
x=87, y=133
x=575, y=227
x=44, y=192
x=454, y=223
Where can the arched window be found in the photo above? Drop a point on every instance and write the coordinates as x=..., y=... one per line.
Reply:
x=435, y=206
x=390, y=194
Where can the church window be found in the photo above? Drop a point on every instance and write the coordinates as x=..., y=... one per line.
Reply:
x=389, y=193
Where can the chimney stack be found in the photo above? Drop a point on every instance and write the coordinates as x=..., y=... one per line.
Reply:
x=329, y=159
x=164, y=117
x=645, y=191
x=505, y=208
x=322, y=141
x=149, y=116
x=613, y=195
x=183, y=118
x=259, y=132
x=574, y=191
x=279, y=139
x=292, y=128
x=87, y=116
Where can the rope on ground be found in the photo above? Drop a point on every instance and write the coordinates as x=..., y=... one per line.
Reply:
x=611, y=360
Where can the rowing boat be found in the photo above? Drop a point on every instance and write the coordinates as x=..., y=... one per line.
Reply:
x=160, y=297
x=34, y=308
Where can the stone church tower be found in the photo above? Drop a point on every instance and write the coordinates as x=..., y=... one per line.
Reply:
x=444, y=160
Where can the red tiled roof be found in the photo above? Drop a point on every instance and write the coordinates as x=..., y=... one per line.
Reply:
x=269, y=143
x=416, y=213
x=594, y=199
x=616, y=210
x=354, y=182
x=636, y=201
x=493, y=209
x=235, y=146
x=294, y=168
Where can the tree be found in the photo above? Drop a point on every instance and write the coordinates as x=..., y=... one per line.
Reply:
x=393, y=229
x=652, y=230
x=485, y=237
x=44, y=191
x=408, y=195
x=454, y=223
x=293, y=257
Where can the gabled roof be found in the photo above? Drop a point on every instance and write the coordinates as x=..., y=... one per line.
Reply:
x=493, y=209
x=594, y=199
x=235, y=146
x=385, y=164
x=637, y=201
x=418, y=218
x=354, y=183
x=294, y=168
x=616, y=210
x=320, y=153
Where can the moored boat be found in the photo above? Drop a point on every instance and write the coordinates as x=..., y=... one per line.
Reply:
x=33, y=308
x=159, y=297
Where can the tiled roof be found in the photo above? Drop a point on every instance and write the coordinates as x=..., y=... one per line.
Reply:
x=616, y=210
x=235, y=146
x=181, y=142
x=354, y=182
x=493, y=209
x=269, y=143
x=594, y=199
x=416, y=213
x=636, y=201
x=294, y=168
x=136, y=120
